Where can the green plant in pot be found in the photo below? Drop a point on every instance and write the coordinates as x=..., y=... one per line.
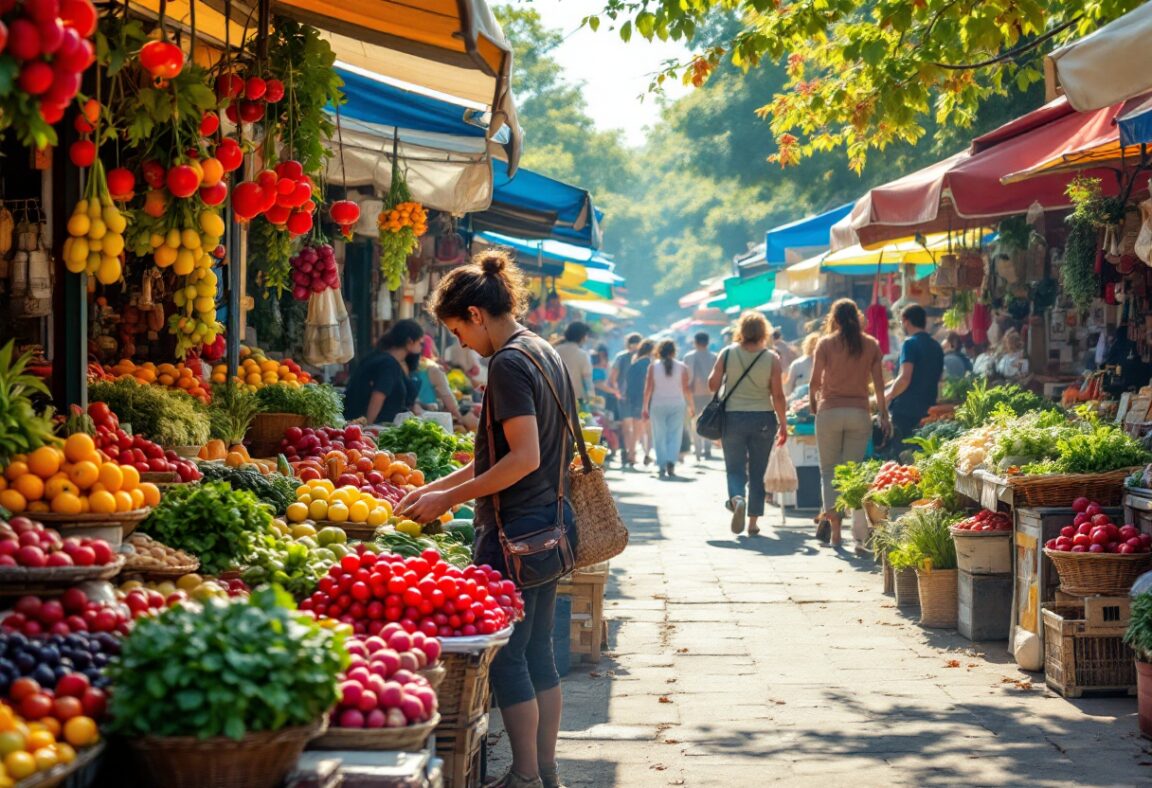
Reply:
x=928, y=537
x=1139, y=637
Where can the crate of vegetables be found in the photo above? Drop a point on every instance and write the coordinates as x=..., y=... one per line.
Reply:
x=1094, y=555
x=984, y=543
x=894, y=488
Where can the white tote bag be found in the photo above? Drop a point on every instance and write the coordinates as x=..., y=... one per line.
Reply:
x=780, y=475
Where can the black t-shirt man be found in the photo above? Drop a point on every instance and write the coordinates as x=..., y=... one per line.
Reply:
x=379, y=372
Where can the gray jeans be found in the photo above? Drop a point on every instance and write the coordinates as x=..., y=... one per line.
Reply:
x=842, y=435
x=700, y=445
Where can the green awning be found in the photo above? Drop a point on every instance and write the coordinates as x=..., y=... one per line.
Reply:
x=747, y=293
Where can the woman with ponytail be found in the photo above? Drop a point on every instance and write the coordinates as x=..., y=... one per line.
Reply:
x=667, y=397
x=845, y=362
x=523, y=450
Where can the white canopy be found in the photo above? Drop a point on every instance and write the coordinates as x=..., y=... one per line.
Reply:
x=1108, y=66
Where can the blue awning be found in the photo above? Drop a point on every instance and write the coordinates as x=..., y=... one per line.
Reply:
x=376, y=101
x=1136, y=126
x=808, y=236
x=533, y=206
x=551, y=250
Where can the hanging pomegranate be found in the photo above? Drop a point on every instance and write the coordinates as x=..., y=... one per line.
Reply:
x=82, y=153
x=247, y=199
x=161, y=59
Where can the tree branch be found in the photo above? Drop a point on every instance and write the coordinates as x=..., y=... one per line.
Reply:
x=1012, y=54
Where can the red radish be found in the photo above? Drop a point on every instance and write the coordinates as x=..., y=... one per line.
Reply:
x=1080, y=504
x=24, y=39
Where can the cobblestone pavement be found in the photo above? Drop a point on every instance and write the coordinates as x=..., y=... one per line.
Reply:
x=737, y=661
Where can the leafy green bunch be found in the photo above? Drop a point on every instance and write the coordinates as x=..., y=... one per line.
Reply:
x=1139, y=633
x=22, y=429
x=852, y=480
x=226, y=668
x=937, y=461
x=171, y=418
x=212, y=521
x=926, y=537
x=231, y=412
x=1096, y=448
x=274, y=489
x=984, y=400
x=321, y=404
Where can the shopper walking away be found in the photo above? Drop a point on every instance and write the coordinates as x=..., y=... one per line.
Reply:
x=846, y=360
x=917, y=385
x=784, y=350
x=700, y=361
x=577, y=360
x=601, y=363
x=516, y=484
x=667, y=395
x=800, y=370
x=381, y=385
x=618, y=379
x=956, y=361
x=634, y=394
x=755, y=412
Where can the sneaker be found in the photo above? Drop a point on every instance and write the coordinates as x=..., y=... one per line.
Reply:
x=513, y=780
x=663, y=475
x=738, y=509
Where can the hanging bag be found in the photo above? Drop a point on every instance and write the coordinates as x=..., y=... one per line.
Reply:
x=780, y=475
x=710, y=422
x=600, y=531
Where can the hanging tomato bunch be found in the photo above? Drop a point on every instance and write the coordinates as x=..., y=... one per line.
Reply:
x=401, y=224
x=282, y=195
x=46, y=48
x=248, y=99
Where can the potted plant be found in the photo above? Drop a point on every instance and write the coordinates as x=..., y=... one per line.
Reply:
x=928, y=537
x=852, y=480
x=1139, y=637
x=903, y=561
x=225, y=692
x=886, y=538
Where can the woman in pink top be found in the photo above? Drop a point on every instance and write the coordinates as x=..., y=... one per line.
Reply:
x=845, y=362
x=667, y=397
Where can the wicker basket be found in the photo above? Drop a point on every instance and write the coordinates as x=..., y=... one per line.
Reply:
x=889, y=579
x=464, y=692
x=58, y=575
x=409, y=739
x=875, y=513
x=160, y=477
x=435, y=674
x=1107, y=489
x=258, y=760
x=78, y=520
x=939, y=606
x=905, y=587
x=1104, y=574
x=361, y=531
x=602, y=533
x=267, y=431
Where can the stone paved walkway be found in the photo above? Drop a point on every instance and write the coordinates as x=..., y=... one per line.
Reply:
x=737, y=661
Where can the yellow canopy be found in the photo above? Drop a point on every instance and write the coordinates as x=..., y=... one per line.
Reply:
x=1104, y=154
x=210, y=22
x=908, y=251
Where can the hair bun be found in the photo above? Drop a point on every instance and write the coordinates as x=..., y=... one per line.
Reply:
x=493, y=264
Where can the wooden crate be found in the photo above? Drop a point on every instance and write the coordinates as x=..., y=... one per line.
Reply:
x=1084, y=649
x=589, y=630
x=462, y=750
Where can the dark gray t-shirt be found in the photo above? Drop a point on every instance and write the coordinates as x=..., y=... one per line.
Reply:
x=515, y=388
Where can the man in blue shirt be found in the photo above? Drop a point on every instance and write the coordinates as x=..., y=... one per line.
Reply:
x=917, y=384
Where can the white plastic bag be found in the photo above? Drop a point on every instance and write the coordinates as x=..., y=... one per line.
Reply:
x=1143, y=248
x=328, y=331
x=780, y=475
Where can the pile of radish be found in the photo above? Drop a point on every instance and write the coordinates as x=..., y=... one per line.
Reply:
x=1092, y=531
x=381, y=688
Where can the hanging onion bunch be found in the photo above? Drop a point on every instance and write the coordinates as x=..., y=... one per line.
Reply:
x=401, y=224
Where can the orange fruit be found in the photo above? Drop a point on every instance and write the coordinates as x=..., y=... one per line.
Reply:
x=60, y=483
x=20, y=765
x=52, y=725
x=15, y=470
x=131, y=477
x=102, y=502
x=137, y=498
x=67, y=503
x=81, y=732
x=151, y=493
x=30, y=486
x=46, y=757
x=39, y=507
x=45, y=461
x=84, y=474
x=3, y=483
x=40, y=737
x=112, y=477
x=65, y=752
x=85, y=504
x=13, y=501
x=79, y=446
x=123, y=501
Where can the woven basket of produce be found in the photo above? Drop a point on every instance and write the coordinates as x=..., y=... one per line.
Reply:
x=148, y=557
x=435, y=674
x=939, y=605
x=1107, y=489
x=411, y=738
x=905, y=587
x=58, y=575
x=1104, y=574
x=268, y=429
x=256, y=760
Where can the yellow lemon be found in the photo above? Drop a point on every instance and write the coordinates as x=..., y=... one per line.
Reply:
x=338, y=513
x=320, y=493
x=318, y=510
x=297, y=512
x=358, y=512
x=378, y=516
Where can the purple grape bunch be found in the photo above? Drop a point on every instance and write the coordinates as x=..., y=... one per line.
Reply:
x=314, y=271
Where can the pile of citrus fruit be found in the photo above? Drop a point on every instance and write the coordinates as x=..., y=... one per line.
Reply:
x=177, y=377
x=76, y=479
x=256, y=371
x=322, y=500
x=30, y=747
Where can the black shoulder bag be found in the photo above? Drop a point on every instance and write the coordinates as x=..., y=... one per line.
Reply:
x=541, y=556
x=710, y=422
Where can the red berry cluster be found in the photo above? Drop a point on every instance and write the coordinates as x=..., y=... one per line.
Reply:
x=48, y=39
x=248, y=98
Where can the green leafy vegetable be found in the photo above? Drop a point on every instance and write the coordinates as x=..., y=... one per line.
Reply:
x=226, y=668
x=321, y=404
x=1098, y=448
x=274, y=489
x=983, y=401
x=926, y=539
x=435, y=449
x=1139, y=634
x=213, y=521
x=171, y=418
x=21, y=428
x=852, y=480
x=231, y=412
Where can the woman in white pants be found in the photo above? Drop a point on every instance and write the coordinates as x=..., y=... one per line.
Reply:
x=667, y=397
x=845, y=362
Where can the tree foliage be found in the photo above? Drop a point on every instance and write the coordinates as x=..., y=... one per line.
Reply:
x=863, y=76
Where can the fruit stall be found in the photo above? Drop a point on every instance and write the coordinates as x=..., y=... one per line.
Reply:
x=1005, y=522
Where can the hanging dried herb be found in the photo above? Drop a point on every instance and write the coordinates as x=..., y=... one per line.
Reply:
x=1081, y=282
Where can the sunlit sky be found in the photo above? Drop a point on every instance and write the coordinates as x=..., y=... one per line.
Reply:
x=615, y=74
